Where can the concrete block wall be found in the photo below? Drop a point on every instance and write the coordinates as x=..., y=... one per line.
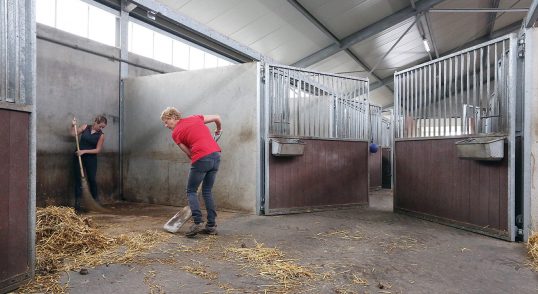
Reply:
x=71, y=83
x=156, y=170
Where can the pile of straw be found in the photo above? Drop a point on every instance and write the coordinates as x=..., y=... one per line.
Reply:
x=532, y=246
x=271, y=263
x=66, y=241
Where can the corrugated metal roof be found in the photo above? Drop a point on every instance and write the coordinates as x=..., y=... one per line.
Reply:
x=278, y=30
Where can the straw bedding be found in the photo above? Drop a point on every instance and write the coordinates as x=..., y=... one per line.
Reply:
x=66, y=242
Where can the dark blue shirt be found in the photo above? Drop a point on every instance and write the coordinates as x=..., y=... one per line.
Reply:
x=88, y=140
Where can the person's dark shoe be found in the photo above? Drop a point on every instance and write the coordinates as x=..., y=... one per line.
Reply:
x=210, y=230
x=194, y=230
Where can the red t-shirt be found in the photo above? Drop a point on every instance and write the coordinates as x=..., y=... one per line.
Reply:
x=193, y=133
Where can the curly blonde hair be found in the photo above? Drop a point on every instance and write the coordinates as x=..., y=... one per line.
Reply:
x=170, y=113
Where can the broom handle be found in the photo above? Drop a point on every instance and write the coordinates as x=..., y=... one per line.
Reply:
x=78, y=149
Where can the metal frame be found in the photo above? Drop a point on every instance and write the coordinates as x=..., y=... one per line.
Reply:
x=367, y=32
x=438, y=68
x=294, y=121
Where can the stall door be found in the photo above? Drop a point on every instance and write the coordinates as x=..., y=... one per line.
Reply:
x=440, y=174
x=315, y=141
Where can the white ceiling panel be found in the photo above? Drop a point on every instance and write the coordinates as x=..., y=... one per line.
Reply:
x=343, y=18
x=409, y=49
x=508, y=18
x=274, y=28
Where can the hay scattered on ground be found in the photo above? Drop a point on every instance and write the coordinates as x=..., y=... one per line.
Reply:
x=201, y=247
x=149, y=280
x=66, y=241
x=532, y=246
x=401, y=243
x=272, y=263
x=343, y=234
x=201, y=272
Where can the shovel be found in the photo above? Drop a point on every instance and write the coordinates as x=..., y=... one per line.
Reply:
x=179, y=219
x=87, y=200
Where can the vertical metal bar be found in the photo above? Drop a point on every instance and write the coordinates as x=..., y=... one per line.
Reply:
x=496, y=87
x=462, y=95
x=451, y=113
x=467, y=118
x=3, y=50
x=481, y=92
x=405, y=96
x=415, y=97
x=503, y=89
x=434, y=98
x=412, y=104
x=490, y=113
x=430, y=100
x=511, y=77
x=419, y=102
x=445, y=116
x=475, y=98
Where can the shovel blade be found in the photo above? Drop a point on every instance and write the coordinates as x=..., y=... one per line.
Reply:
x=178, y=220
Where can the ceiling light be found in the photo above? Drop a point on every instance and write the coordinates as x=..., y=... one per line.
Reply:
x=426, y=45
x=151, y=14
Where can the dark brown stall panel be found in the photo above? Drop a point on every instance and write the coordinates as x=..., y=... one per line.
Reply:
x=374, y=165
x=14, y=175
x=330, y=174
x=432, y=182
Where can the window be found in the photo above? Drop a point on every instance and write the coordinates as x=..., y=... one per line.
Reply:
x=79, y=18
x=166, y=48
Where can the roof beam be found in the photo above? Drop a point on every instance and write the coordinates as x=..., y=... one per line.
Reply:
x=329, y=34
x=478, y=10
x=211, y=36
x=492, y=16
x=367, y=32
x=532, y=15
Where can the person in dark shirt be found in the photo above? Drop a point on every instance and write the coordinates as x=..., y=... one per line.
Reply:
x=91, y=143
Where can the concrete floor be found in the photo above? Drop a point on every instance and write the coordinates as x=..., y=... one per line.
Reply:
x=393, y=253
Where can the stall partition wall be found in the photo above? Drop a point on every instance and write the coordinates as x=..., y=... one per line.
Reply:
x=329, y=114
x=17, y=143
x=156, y=170
x=470, y=93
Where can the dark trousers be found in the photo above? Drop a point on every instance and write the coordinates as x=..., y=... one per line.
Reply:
x=89, y=161
x=204, y=171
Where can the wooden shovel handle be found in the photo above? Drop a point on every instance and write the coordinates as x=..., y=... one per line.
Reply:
x=78, y=149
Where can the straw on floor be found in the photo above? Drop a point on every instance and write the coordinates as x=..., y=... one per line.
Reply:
x=66, y=242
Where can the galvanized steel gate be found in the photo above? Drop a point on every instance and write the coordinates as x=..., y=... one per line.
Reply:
x=471, y=93
x=328, y=115
x=17, y=143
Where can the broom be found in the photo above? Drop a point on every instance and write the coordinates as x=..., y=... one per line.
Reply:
x=87, y=200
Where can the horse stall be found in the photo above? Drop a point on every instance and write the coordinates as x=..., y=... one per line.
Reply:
x=292, y=140
x=457, y=134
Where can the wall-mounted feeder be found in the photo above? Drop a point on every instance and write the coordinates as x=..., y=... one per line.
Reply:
x=287, y=147
x=481, y=148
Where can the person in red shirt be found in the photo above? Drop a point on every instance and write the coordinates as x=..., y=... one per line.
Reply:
x=194, y=138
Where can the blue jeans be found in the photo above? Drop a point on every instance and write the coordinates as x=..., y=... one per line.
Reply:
x=204, y=171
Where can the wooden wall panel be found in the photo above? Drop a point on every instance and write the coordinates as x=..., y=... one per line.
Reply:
x=432, y=180
x=329, y=173
x=14, y=174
